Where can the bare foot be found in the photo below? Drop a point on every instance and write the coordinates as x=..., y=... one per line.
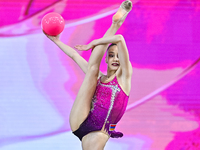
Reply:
x=122, y=12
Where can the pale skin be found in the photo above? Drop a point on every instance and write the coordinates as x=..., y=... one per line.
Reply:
x=117, y=59
x=118, y=64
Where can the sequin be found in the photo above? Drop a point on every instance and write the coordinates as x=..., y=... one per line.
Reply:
x=108, y=106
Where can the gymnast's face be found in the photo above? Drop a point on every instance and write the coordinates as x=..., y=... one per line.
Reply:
x=112, y=58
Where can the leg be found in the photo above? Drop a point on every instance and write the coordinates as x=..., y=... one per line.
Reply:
x=94, y=141
x=118, y=19
x=82, y=104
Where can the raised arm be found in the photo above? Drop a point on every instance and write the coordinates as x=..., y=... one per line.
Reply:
x=82, y=63
x=125, y=65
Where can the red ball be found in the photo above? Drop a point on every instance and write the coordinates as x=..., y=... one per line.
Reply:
x=53, y=24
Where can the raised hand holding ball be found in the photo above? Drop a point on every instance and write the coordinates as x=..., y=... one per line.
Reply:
x=53, y=24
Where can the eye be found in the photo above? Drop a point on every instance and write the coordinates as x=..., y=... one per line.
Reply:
x=110, y=55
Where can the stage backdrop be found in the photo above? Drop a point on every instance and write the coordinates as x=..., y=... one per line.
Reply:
x=38, y=82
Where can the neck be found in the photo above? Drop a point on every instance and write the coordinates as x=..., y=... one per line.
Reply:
x=110, y=73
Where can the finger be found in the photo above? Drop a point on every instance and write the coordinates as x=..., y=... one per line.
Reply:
x=76, y=47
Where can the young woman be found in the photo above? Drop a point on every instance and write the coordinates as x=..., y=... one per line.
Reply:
x=102, y=99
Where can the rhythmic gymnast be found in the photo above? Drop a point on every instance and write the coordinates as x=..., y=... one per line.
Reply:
x=102, y=99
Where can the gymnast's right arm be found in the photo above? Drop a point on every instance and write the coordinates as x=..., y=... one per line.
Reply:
x=80, y=61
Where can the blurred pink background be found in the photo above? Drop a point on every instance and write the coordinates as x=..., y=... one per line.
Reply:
x=39, y=82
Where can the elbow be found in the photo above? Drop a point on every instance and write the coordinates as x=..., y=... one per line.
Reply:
x=74, y=56
x=119, y=38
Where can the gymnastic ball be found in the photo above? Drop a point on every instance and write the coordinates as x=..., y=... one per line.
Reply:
x=53, y=24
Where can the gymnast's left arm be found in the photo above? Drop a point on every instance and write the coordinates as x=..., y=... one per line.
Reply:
x=125, y=65
x=124, y=73
x=123, y=54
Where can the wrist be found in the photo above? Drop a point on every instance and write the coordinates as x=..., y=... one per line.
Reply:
x=56, y=41
x=93, y=43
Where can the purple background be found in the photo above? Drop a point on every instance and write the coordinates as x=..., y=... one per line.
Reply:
x=39, y=82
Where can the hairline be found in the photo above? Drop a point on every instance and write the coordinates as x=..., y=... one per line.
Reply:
x=111, y=45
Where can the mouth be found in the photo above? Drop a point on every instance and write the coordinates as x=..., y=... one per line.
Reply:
x=115, y=64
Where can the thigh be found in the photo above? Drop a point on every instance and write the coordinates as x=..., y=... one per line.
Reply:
x=82, y=103
x=95, y=140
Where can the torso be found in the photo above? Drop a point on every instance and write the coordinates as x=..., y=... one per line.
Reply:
x=109, y=101
x=104, y=79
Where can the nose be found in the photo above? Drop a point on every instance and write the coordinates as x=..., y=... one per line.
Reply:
x=116, y=58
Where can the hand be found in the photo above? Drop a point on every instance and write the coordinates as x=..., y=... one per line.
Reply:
x=83, y=47
x=53, y=38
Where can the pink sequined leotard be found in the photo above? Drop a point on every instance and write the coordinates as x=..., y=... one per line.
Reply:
x=108, y=106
